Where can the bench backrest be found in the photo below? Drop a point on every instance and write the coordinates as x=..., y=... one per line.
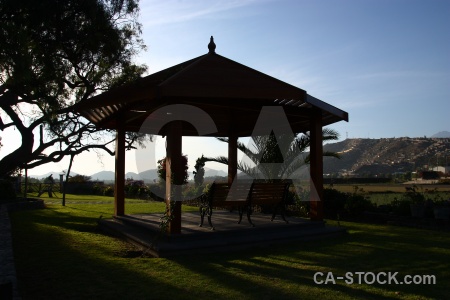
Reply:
x=269, y=192
x=219, y=192
x=259, y=193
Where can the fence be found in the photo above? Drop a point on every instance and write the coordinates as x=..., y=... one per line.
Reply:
x=38, y=188
x=80, y=188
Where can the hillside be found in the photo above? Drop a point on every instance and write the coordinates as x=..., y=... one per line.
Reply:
x=360, y=156
x=148, y=176
x=387, y=155
x=442, y=134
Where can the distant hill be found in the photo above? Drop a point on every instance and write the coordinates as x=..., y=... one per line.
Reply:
x=442, y=134
x=102, y=176
x=389, y=155
x=55, y=175
x=360, y=156
x=148, y=176
x=132, y=175
x=212, y=173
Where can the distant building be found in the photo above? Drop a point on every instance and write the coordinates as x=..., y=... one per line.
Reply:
x=445, y=170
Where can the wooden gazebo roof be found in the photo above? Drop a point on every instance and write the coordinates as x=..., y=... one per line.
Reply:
x=227, y=90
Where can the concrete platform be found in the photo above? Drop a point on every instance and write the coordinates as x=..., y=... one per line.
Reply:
x=143, y=231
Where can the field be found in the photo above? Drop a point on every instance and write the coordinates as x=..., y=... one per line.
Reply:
x=389, y=188
x=60, y=254
x=385, y=193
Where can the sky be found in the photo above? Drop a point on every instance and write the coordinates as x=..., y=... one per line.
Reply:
x=385, y=62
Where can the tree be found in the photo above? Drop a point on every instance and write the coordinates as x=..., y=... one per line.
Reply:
x=268, y=161
x=79, y=178
x=54, y=54
x=199, y=173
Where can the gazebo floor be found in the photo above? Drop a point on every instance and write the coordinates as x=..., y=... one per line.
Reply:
x=143, y=231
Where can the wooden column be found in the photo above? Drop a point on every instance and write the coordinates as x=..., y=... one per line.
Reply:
x=232, y=158
x=316, y=166
x=26, y=183
x=119, y=180
x=174, y=174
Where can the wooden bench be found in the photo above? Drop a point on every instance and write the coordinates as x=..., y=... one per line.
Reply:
x=244, y=196
x=270, y=194
x=217, y=196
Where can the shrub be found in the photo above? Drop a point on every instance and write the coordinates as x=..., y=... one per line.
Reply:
x=337, y=204
x=79, y=178
x=193, y=191
x=98, y=188
x=136, y=189
x=157, y=191
x=297, y=202
x=79, y=188
x=333, y=202
x=356, y=204
x=108, y=191
x=297, y=196
x=400, y=207
x=413, y=195
x=292, y=198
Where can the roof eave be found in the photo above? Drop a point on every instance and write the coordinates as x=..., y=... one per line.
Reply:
x=342, y=115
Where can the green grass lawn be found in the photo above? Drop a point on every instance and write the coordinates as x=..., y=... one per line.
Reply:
x=60, y=254
x=384, y=198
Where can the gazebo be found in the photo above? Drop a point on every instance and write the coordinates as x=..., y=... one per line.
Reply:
x=223, y=98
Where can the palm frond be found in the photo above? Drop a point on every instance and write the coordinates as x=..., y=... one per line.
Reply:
x=267, y=151
x=219, y=159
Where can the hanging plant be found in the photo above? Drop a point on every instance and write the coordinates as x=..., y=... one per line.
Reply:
x=162, y=169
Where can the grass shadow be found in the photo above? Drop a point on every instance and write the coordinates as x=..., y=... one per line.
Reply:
x=60, y=254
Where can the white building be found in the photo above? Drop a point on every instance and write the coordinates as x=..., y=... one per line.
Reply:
x=445, y=170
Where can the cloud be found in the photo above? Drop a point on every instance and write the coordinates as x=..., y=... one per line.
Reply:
x=158, y=12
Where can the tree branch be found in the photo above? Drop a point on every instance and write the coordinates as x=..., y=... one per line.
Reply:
x=57, y=156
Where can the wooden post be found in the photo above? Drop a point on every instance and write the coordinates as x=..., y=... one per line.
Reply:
x=25, y=192
x=61, y=182
x=19, y=183
x=119, y=180
x=174, y=174
x=232, y=158
x=316, y=166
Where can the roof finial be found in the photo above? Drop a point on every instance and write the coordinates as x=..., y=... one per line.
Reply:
x=212, y=46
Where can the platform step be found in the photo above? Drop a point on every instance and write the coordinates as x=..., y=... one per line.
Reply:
x=147, y=237
x=142, y=239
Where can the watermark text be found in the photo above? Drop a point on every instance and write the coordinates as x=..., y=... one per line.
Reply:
x=373, y=278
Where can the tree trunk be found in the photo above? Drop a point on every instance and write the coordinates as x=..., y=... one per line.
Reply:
x=66, y=181
x=19, y=157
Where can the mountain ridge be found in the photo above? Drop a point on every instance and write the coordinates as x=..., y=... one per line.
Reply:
x=147, y=176
x=441, y=134
x=361, y=156
x=386, y=155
